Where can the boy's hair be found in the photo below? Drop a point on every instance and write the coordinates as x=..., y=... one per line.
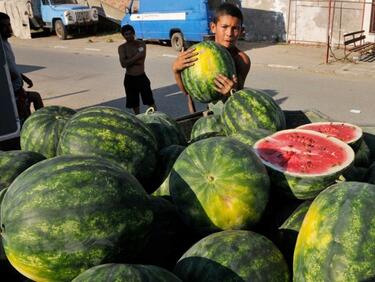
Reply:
x=126, y=28
x=228, y=9
x=4, y=16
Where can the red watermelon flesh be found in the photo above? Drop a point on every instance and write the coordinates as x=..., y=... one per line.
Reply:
x=304, y=152
x=349, y=133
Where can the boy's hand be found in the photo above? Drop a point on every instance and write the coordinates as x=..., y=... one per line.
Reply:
x=224, y=85
x=28, y=81
x=184, y=60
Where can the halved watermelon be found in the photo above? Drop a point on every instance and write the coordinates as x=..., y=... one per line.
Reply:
x=349, y=133
x=304, y=162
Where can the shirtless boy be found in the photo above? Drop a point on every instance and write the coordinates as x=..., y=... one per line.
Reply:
x=227, y=27
x=132, y=56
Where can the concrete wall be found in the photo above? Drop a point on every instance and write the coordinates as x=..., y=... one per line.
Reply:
x=307, y=21
x=18, y=13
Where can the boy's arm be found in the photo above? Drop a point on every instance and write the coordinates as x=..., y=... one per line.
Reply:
x=28, y=81
x=125, y=61
x=184, y=60
x=243, y=70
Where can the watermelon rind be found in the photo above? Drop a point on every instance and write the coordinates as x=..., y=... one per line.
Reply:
x=41, y=131
x=336, y=239
x=252, y=108
x=218, y=184
x=69, y=213
x=198, y=80
x=233, y=255
x=125, y=273
x=13, y=163
x=166, y=130
x=114, y=134
x=305, y=185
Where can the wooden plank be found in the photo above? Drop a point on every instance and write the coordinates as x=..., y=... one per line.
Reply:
x=353, y=33
x=350, y=41
x=359, y=47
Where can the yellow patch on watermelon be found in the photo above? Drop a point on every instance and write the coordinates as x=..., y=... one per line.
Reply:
x=205, y=66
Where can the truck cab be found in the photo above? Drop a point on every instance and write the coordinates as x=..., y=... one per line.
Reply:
x=177, y=22
x=62, y=16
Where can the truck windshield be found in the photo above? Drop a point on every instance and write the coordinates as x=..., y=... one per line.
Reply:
x=62, y=2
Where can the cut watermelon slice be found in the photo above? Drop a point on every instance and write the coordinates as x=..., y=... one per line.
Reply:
x=346, y=132
x=304, y=162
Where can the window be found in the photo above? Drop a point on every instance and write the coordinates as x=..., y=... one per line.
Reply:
x=61, y=2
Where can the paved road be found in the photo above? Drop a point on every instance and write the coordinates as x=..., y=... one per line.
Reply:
x=84, y=76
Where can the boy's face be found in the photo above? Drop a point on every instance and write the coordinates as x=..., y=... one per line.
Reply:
x=129, y=35
x=5, y=29
x=227, y=30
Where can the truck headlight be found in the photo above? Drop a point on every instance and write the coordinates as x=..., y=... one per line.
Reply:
x=69, y=16
x=95, y=15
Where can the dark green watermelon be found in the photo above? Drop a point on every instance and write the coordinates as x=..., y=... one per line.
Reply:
x=41, y=131
x=250, y=108
x=166, y=130
x=126, y=273
x=198, y=80
x=218, y=184
x=235, y=255
x=165, y=161
x=12, y=163
x=205, y=126
x=113, y=134
x=67, y=214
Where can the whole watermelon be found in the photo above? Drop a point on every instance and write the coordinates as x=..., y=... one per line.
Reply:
x=198, y=80
x=41, y=131
x=12, y=163
x=113, y=134
x=250, y=108
x=125, y=273
x=67, y=214
x=336, y=241
x=166, y=130
x=218, y=184
x=206, y=125
x=234, y=255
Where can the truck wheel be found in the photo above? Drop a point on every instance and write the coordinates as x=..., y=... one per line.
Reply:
x=177, y=41
x=60, y=30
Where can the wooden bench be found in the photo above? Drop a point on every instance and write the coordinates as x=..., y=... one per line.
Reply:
x=356, y=42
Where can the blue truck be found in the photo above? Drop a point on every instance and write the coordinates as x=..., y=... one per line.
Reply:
x=177, y=22
x=62, y=16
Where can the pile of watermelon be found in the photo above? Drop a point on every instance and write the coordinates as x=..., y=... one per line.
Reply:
x=104, y=195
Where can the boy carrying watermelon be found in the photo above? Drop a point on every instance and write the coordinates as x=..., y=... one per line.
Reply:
x=227, y=27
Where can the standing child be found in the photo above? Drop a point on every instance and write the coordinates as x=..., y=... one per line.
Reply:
x=132, y=56
x=227, y=27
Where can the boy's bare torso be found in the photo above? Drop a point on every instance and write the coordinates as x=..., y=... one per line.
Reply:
x=129, y=50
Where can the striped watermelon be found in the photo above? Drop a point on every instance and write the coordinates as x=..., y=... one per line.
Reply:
x=235, y=255
x=166, y=130
x=198, y=80
x=218, y=184
x=250, y=108
x=41, y=131
x=114, y=134
x=206, y=125
x=67, y=214
x=250, y=137
x=336, y=241
x=125, y=273
x=12, y=163
x=304, y=162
